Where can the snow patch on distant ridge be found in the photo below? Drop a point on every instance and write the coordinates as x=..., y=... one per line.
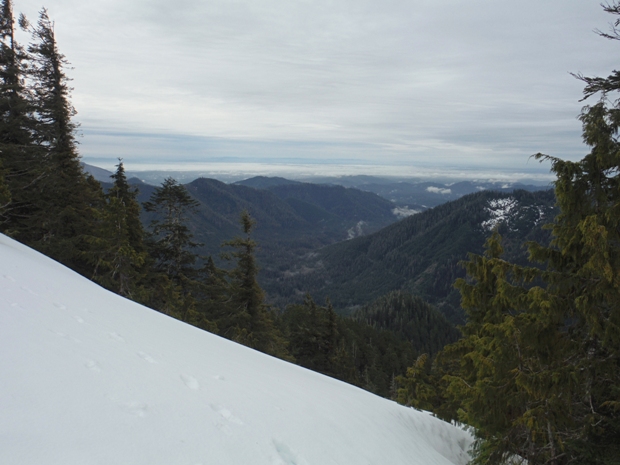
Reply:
x=499, y=210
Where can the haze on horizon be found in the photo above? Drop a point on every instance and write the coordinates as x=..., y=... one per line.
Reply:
x=398, y=87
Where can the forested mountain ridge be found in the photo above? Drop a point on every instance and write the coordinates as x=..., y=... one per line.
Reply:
x=265, y=182
x=291, y=221
x=420, y=254
x=431, y=193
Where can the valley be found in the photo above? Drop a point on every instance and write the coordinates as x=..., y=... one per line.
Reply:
x=349, y=245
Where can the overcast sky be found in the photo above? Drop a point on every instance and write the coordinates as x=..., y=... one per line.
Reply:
x=476, y=84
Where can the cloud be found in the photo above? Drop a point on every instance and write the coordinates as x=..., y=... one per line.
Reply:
x=475, y=83
x=438, y=190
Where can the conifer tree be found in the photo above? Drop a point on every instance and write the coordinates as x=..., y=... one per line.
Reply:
x=211, y=293
x=121, y=255
x=416, y=389
x=171, y=240
x=5, y=194
x=313, y=335
x=540, y=361
x=67, y=199
x=20, y=159
x=127, y=196
x=248, y=319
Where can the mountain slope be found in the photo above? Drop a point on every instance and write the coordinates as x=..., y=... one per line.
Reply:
x=89, y=377
x=421, y=253
x=264, y=182
x=288, y=225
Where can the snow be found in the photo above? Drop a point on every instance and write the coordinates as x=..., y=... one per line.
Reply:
x=91, y=378
x=499, y=211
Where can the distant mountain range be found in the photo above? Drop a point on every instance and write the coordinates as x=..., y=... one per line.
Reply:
x=347, y=244
x=420, y=194
x=410, y=196
x=291, y=219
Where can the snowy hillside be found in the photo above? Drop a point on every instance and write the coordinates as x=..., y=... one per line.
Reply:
x=87, y=377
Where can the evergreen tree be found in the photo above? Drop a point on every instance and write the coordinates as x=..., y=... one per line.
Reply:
x=494, y=359
x=5, y=194
x=18, y=156
x=127, y=196
x=210, y=290
x=539, y=366
x=416, y=389
x=313, y=336
x=171, y=240
x=67, y=199
x=121, y=255
x=412, y=318
x=248, y=319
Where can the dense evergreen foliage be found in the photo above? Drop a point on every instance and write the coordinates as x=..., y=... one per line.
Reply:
x=171, y=241
x=53, y=203
x=345, y=348
x=122, y=258
x=410, y=318
x=20, y=157
x=244, y=316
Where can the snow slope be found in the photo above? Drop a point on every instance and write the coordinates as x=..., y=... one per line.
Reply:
x=87, y=377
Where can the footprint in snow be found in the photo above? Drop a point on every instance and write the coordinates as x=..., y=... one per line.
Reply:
x=65, y=336
x=138, y=409
x=60, y=306
x=116, y=337
x=286, y=454
x=29, y=291
x=225, y=419
x=146, y=357
x=219, y=378
x=93, y=366
x=9, y=278
x=190, y=382
x=78, y=319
